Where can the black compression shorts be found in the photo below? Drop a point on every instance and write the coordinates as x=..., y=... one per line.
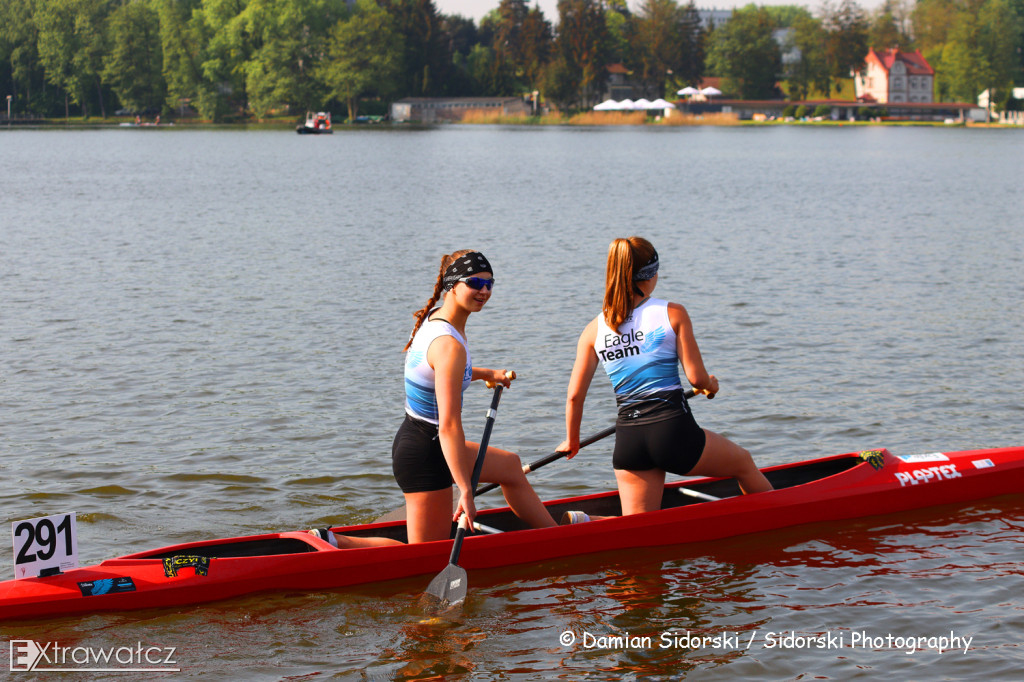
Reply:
x=673, y=445
x=417, y=459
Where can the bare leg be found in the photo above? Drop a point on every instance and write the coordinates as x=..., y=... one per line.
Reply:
x=428, y=515
x=640, y=491
x=349, y=542
x=722, y=457
x=506, y=469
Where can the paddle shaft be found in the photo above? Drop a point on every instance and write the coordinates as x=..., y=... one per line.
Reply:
x=460, y=534
x=589, y=440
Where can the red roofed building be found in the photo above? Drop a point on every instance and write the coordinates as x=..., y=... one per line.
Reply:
x=893, y=76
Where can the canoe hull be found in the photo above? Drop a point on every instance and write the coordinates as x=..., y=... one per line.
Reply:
x=827, y=489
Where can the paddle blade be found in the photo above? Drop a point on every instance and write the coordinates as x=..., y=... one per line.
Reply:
x=449, y=587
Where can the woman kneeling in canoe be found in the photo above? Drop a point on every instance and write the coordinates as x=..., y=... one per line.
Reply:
x=430, y=451
x=640, y=341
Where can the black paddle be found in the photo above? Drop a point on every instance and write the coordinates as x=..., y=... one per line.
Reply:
x=533, y=466
x=450, y=585
x=589, y=440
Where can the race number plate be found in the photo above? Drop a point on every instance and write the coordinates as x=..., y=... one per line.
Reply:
x=45, y=546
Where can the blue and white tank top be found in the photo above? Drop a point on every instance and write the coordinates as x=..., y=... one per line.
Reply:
x=642, y=361
x=420, y=398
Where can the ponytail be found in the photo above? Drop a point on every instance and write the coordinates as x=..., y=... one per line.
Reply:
x=424, y=312
x=625, y=257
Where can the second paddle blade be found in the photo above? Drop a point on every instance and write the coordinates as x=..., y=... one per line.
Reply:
x=449, y=587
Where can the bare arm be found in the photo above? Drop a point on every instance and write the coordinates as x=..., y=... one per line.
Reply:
x=582, y=374
x=689, y=352
x=494, y=376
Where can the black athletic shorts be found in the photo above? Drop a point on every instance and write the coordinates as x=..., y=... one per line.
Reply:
x=674, y=445
x=417, y=459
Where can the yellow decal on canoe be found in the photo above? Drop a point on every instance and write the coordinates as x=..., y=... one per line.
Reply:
x=173, y=563
x=875, y=458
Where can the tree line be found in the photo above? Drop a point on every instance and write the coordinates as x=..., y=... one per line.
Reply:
x=240, y=58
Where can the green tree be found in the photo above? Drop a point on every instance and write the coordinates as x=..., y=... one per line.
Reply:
x=583, y=48
x=462, y=36
x=808, y=69
x=21, y=68
x=667, y=45
x=233, y=39
x=184, y=39
x=508, y=41
x=846, y=42
x=363, y=56
x=932, y=21
x=560, y=84
x=537, y=47
x=480, y=65
x=425, y=59
x=289, y=38
x=71, y=47
x=133, y=65
x=744, y=52
x=1017, y=8
x=886, y=29
x=979, y=53
x=621, y=25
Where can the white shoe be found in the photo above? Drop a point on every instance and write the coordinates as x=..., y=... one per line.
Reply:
x=326, y=535
x=571, y=517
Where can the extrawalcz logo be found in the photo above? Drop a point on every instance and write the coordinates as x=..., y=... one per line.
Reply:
x=30, y=656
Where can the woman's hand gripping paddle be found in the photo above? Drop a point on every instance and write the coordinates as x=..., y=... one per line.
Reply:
x=450, y=585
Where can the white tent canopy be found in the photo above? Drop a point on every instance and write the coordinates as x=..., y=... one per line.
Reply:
x=710, y=91
x=630, y=105
x=688, y=91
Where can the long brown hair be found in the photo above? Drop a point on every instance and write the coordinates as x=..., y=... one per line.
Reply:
x=625, y=256
x=422, y=313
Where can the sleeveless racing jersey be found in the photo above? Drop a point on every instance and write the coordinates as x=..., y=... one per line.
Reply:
x=642, y=362
x=420, y=398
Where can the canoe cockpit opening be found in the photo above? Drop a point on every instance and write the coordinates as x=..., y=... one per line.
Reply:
x=677, y=494
x=245, y=548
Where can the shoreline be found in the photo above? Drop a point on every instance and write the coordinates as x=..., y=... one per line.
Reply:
x=587, y=119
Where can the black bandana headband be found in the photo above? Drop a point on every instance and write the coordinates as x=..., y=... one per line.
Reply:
x=472, y=263
x=648, y=271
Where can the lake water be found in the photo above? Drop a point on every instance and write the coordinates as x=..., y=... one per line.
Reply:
x=201, y=337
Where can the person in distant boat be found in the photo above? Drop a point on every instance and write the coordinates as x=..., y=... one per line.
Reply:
x=430, y=451
x=641, y=341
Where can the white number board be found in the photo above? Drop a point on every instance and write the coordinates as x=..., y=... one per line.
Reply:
x=48, y=545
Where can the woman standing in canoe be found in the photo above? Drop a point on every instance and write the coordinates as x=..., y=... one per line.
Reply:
x=641, y=341
x=430, y=450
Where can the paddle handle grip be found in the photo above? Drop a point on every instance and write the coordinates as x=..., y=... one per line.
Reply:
x=509, y=374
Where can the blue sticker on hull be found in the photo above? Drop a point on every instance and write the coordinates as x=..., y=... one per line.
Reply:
x=93, y=588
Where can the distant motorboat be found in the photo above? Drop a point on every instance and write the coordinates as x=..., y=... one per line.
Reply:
x=316, y=124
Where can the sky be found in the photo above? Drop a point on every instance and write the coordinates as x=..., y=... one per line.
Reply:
x=476, y=9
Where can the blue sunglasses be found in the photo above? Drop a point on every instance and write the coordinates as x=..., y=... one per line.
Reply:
x=478, y=283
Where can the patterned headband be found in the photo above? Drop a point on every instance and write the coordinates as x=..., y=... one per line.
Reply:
x=648, y=271
x=470, y=264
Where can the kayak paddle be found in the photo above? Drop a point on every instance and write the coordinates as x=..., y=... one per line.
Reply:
x=593, y=438
x=451, y=584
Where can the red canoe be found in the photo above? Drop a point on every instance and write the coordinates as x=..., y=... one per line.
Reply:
x=831, y=488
